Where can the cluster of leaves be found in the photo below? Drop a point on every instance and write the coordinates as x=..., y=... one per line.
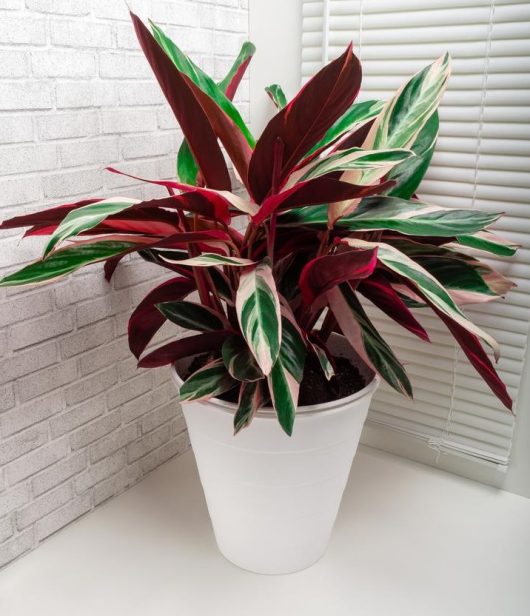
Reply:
x=331, y=215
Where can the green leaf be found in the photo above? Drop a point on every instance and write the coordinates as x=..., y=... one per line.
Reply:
x=323, y=359
x=277, y=95
x=489, y=242
x=287, y=372
x=365, y=338
x=258, y=311
x=392, y=213
x=239, y=360
x=404, y=116
x=210, y=259
x=187, y=168
x=191, y=315
x=409, y=174
x=207, y=382
x=358, y=113
x=249, y=402
x=245, y=54
x=355, y=159
x=87, y=217
x=65, y=261
x=414, y=218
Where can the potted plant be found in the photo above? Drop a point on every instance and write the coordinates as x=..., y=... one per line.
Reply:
x=281, y=339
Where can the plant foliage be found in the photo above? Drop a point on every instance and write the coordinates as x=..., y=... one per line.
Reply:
x=331, y=215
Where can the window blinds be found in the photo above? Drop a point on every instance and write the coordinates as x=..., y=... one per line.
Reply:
x=481, y=162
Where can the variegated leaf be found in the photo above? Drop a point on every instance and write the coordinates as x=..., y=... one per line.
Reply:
x=191, y=315
x=353, y=159
x=258, y=311
x=207, y=259
x=410, y=172
x=239, y=360
x=356, y=115
x=87, y=217
x=415, y=218
x=323, y=359
x=207, y=382
x=489, y=242
x=277, y=95
x=404, y=266
x=392, y=213
x=248, y=404
x=400, y=122
x=66, y=261
x=403, y=117
x=288, y=371
x=365, y=339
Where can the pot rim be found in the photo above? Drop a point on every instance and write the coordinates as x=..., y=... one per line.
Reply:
x=270, y=413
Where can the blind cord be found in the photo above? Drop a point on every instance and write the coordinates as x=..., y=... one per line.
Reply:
x=438, y=443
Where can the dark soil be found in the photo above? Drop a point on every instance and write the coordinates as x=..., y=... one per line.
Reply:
x=315, y=388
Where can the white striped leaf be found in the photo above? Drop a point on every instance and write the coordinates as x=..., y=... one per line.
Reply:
x=392, y=213
x=66, y=261
x=323, y=359
x=288, y=371
x=248, y=404
x=365, y=339
x=407, y=112
x=277, y=95
x=207, y=382
x=400, y=122
x=356, y=115
x=191, y=315
x=403, y=265
x=410, y=172
x=415, y=218
x=239, y=360
x=87, y=217
x=208, y=259
x=258, y=311
x=353, y=159
x=489, y=242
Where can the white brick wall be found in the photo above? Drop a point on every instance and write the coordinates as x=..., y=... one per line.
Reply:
x=78, y=423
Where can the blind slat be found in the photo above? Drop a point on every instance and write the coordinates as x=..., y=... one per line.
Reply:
x=481, y=161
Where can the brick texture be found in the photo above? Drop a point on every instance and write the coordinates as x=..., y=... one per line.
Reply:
x=79, y=423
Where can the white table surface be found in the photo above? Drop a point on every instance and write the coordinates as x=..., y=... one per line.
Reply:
x=409, y=540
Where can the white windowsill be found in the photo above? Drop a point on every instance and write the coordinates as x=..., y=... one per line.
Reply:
x=410, y=540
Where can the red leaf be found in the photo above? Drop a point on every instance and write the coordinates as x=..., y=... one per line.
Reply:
x=110, y=266
x=232, y=87
x=146, y=320
x=181, y=96
x=191, y=345
x=323, y=273
x=478, y=358
x=472, y=347
x=217, y=201
x=304, y=121
x=381, y=293
x=190, y=237
x=52, y=216
x=315, y=192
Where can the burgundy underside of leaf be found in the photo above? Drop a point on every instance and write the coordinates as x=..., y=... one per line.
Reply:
x=146, y=320
x=324, y=273
x=380, y=292
x=181, y=96
x=185, y=347
x=304, y=121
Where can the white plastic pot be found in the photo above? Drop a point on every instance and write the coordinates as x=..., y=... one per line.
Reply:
x=272, y=499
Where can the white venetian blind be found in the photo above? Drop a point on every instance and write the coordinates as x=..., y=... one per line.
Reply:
x=481, y=161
